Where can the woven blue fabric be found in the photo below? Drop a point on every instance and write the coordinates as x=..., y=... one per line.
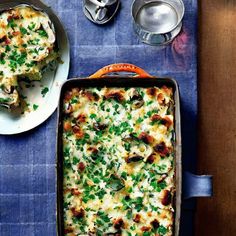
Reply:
x=27, y=161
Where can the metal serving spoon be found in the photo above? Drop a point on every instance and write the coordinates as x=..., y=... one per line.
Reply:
x=100, y=11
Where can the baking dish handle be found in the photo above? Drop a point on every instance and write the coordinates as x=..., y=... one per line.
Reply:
x=197, y=185
x=121, y=67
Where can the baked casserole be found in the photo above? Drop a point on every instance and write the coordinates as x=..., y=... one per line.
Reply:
x=118, y=160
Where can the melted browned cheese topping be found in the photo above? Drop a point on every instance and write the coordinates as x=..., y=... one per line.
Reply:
x=119, y=161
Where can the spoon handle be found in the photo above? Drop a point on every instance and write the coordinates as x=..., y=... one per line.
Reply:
x=96, y=2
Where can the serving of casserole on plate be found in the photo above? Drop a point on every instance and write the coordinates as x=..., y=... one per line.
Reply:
x=27, y=47
x=32, y=41
x=118, y=160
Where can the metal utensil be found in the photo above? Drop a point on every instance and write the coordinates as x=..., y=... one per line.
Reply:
x=100, y=11
x=103, y=3
x=157, y=22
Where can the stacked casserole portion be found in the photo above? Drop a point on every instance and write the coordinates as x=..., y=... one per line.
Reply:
x=27, y=48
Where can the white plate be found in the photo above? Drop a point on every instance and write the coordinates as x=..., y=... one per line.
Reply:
x=13, y=124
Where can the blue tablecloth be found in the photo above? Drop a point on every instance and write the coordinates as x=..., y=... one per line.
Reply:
x=27, y=161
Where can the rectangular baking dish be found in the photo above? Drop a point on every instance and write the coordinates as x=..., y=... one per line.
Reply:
x=141, y=79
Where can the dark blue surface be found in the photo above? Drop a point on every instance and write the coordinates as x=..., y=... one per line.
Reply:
x=27, y=161
x=196, y=186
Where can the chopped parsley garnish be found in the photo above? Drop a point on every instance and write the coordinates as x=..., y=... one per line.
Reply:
x=162, y=230
x=149, y=103
x=118, y=130
x=13, y=65
x=75, y=160
x=147, y=234
x=23, y=30
x=136, y=178
x=2, y=61
x=31, y=64
x=127, y=146
x=88, y=197
x=124, y=175
x=129, y=214
x=31, y=26
x=162, y=168
x=92, y=116
x=129, y=116
x=103, y=216
x=158, y=186
x=44, y=91
x=42, y=33
x=5, y=100
x=11, y=23
x=17, y=59
x=8, y=48
x=133, y=227
x=101, y=193
x=129, y=203
x=35, y=107
x=33, y=41
x=66, y=152
x=150, y=113
x=139, y=120
x=74, y=100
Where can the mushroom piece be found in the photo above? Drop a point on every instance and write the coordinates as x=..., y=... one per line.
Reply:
x=167, y=197
x=145, y=228
x=137, y=100
x=92, y=96
x=78, y=132
x=81, y=166
x=9, y=100
x=68, y=95
x=118, y=223
x=78, y=213
x=151, y=158
x=68, y=230
x=167, y=121
x=155, y=224
x=161, y=99
x=116, y=95
x=162, y=149
x=99, y=126
x=9, y=96
x=68, y=108
x=132, y=137
x=75, y=191
x=116, y=233
x=146, y=138
x=48, y=27
x=152, y=92
x=135, y=158
x=162, y=178
x=115, y=183
x=137, y=218
x=81, y=118
x=91, y=233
